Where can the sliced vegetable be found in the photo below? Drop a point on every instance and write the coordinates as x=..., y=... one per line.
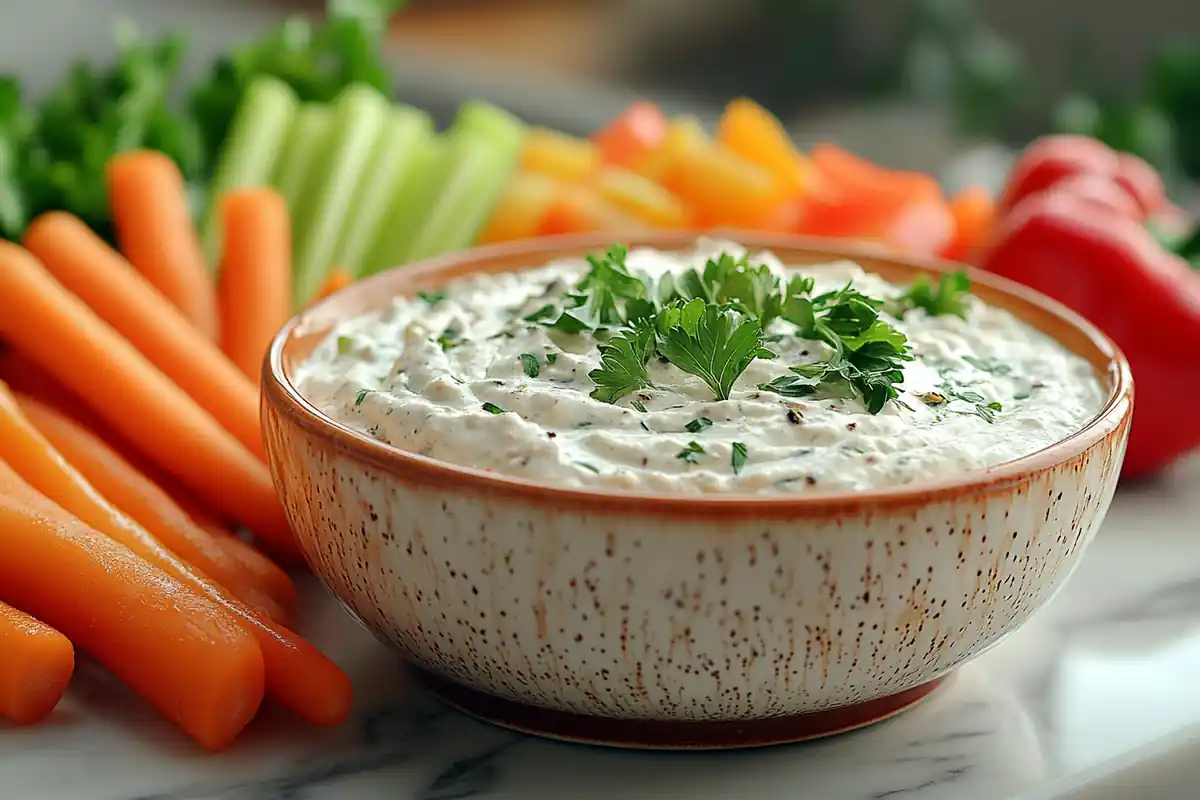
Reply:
x=360, y=115
x=102, y=279
x=307, y=143
x=182, y=652
x=559, y=156
x=519, y=212
x=250, y=152
x=722, y=187
x=580, y=209
x=256, y=275
x=153, y=222
x=63, y=336
x=485, y=144
x=756, y=135
x=973, y=211
x=681, y=134
x=390, y=164
x=640, y=129
x=36, y=663
x=411, y=200
x=642, y=198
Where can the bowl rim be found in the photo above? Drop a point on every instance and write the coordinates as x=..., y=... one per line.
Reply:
x=283, y=396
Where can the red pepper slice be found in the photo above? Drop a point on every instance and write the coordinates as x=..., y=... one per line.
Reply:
x=1109, y=268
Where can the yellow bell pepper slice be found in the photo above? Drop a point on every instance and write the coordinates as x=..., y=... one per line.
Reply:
x=642, y=198
x=756, y=135
x=524, y=204
x=558, y=155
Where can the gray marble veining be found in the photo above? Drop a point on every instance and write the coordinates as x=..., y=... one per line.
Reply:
x=1104, y=670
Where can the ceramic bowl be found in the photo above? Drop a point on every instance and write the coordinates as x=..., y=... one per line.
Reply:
x=667, y=621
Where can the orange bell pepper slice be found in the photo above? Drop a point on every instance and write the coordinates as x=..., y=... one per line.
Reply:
x=558, y=155
x=524, y=204
x=580, y=209
x=721, y=187
x=756, y=135
x=973, y=211
x=642, y=198
x=639, y=129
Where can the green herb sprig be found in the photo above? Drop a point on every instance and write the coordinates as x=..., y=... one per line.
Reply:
x=948, y=297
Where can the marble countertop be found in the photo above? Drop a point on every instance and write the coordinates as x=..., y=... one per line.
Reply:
x=1104, y=670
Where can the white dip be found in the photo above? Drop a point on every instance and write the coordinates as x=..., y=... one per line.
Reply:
x=512, y=396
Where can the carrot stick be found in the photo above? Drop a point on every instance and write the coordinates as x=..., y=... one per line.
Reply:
x=85, y=265
x=264, y=574
x=256, y=275
x=36, y=663
x=142, y=501
x=297, y=674
x=60, y=334
x=180, y=651
x=337, y=279
x=149, y=205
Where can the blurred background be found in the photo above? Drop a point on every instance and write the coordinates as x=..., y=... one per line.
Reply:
x=917, y=84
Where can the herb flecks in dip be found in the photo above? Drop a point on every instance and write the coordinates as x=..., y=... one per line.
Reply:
x=708, y=371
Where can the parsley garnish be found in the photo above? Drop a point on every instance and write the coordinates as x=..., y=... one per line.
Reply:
x=594, y=304
x=432, y=298
x=551, y=358
x=492, y=408
x=637, y=404
x=344, y=345
x=691, y=454
x=698, y=424
x=530, y=364
x=449, y=339
x=589, y=467
x=623, y=360
x=712, y=343
x=738, y=458
x=948, y=297
x=545, y=312
x=362, y=395
x=985, y=410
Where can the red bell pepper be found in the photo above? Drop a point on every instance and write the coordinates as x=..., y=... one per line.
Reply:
x=1080, y=239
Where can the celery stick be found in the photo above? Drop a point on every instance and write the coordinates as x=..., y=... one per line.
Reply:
x=410, y=202
x=359, y=115
x=485, y=152
x=487, y=119
x=250, y=151
x=391, y=163
x=306, y=142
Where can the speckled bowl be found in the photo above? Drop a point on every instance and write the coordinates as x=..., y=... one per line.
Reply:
x=660, y=621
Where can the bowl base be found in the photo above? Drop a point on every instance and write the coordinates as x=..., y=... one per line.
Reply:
x=638, y=734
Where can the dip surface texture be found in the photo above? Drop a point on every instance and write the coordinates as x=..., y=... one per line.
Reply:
x=462, y=377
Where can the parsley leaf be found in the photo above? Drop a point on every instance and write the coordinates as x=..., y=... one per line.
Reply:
x=698, y=424
x=449, y=339
x=623, y=360
x=711, y=343
x=691, y=454
x=639, y=406
x=948, y=297
x=551, y=358
x=595, y=304
x=344, y=345
x=754, y=291
x=530, y=364
x=980, y=407
x=545, y=312
x=738, y=458
x=492, y=408
x=987, y=366
x=432, y=298
x=362, y=395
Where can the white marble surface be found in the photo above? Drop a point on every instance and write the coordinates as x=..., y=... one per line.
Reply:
x=1106, y=669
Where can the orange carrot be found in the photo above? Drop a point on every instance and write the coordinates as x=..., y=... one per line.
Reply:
x=180, y=651
x=60, y=334
x=36, y=663
x=297, y=674
x=131, y=492
x=256, y=275
x=263, y=573
x=337, y=279
x=85, y=265
x=149, y=205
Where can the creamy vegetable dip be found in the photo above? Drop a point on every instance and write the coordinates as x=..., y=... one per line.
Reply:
x=893, y=384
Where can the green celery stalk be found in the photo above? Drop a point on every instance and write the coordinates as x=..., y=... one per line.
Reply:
x=411, y=200
x=305, y=144
x=486, y=145
x=391, y=162
x=250, y=151
x=360, y=114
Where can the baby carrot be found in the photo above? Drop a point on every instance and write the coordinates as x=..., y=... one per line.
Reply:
x=264, y=574
x=100, y=277
x=132, y=493
x=298, y=675
x=60, y=334
x=36, y=663
x=256, y=275
x=149, y=205
x=180, y=651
